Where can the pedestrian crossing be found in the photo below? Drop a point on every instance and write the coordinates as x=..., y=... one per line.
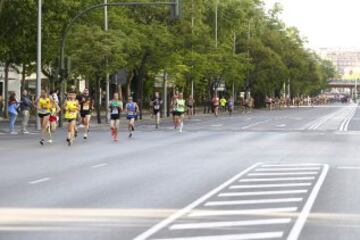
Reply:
x=266, y=201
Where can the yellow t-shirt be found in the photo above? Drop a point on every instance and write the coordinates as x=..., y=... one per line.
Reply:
x=44, y=105
x=71, y=109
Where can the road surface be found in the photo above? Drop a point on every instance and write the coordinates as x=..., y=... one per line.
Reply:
x=290, y=174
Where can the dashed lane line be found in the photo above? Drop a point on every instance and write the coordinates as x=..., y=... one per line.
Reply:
x=41, y=180
x=99, y=165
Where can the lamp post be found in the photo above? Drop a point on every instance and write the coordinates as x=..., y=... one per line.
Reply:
x=38, y=57
x=175, y=9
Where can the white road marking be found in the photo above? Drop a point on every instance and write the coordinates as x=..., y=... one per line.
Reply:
x=292, y=165
x=252, y=186
x=276, y=179
x=191, y=206
x=281, y=125
x=287, y=169
x=205, y=225
x=283, y=174
x=260, y=211
x=299, y=224
x=99, y=165
x=41, y=180
x=346, y=122
x=256, y=201
x=254, y=124
x=349, y=168
x=217, y=125
x=249, y=236
x=263, y=193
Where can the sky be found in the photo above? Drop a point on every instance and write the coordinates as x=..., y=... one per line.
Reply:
x=324, y=23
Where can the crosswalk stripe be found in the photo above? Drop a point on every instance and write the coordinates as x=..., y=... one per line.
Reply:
x=283, y=174
x=275, y=179
x=284, y=185
x=287, y=169
x=204, y=225
x=250, y=236
x=292, y=165
x=259, y=211
x=239, y=194
x=256, y=201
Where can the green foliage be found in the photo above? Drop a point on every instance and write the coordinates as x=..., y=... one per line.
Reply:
x=256, y=51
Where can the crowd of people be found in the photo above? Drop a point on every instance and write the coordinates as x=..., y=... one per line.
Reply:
x=77, y=109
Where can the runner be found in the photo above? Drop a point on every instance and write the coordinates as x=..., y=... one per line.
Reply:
x=190, y=107
x=215, y=102
x=53, y=118
x=223, y=104
x=71, y=107
x=230, y=105
x=173, y=101
x=86, y=107
x=156, y=105
x=131, y=112
x=179, y=112
x=43, y=104
x=116, y=107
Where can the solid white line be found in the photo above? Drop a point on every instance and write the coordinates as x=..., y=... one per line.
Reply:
x=239, y=194
x=349, y=168
x=41, y=180
x=287, y=169
x=99, y=165
x=230, y=224
x=283, y=174
x=292, y=165
x=254, y=124
x=257, y=201
x=191, y=206
x=275, y=179
x=249, y=236
x=252, y=186
x=260, y=211
x=299, y=224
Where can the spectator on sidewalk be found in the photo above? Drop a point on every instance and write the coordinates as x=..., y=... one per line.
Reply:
x=13, y=112
x=25, y=107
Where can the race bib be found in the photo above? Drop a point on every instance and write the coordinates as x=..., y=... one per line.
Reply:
x=156, y=107
x=115, y=111
x=131, y=113
x=86, y=107
x=42, y=111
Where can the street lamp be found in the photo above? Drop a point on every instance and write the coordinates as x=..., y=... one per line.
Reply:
x=38, y=62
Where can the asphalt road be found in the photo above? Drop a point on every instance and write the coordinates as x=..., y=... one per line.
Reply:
x=289, y=174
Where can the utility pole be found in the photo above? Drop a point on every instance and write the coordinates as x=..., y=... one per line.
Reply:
x=192, y=48
x=107, y=80
x=38, y=61
x=234, y=53
x=165, y=94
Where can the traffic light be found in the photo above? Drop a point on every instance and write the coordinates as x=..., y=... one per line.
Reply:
x=176, y=9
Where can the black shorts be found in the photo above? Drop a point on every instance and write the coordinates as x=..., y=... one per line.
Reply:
x=69, y=120
x=156, y=112
x=176, y=113
x=85, y=113
x=115, y=116
x=42, y=115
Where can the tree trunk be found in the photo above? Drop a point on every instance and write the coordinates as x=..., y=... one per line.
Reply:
x=140, y=81
x=6, y=89
x=129, y=82
x=23, y=76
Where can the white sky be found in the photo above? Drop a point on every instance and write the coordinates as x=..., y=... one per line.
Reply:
x=325, y=23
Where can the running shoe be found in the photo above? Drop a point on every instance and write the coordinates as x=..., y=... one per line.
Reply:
x=42, y=141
